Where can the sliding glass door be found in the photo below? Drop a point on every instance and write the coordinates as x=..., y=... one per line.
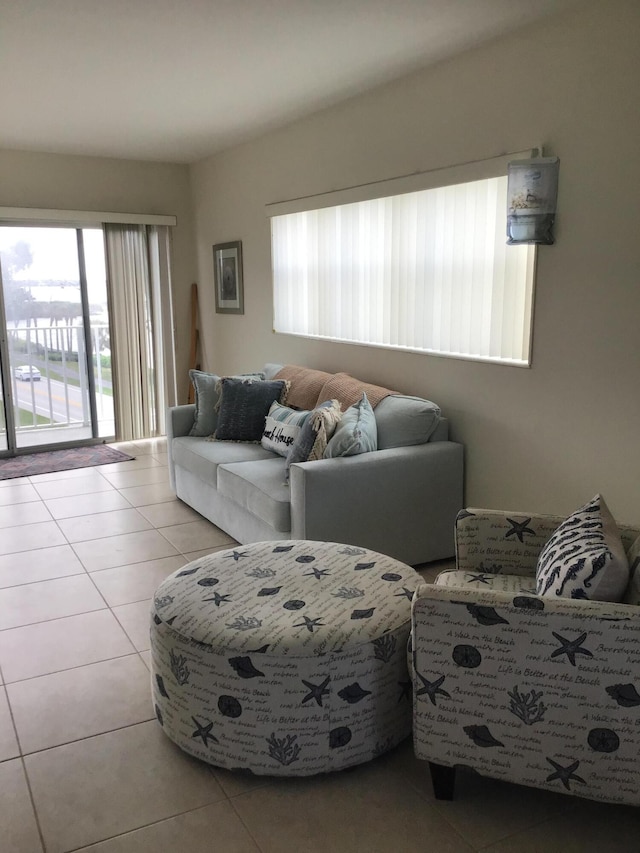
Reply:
x=54, y=342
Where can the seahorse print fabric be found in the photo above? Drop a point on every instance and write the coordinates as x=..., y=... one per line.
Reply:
x=585, y=557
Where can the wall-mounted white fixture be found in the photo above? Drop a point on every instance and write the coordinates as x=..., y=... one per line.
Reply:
x=532, y=193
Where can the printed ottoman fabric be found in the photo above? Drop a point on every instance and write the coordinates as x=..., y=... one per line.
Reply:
x=543, y=692
x=284, y=658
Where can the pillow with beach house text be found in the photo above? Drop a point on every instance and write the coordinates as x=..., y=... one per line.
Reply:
x=282, y=427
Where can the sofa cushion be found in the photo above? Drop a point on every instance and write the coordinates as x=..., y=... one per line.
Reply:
x=282, y=427
x=207, y=393
x=260, y=488
x=356, y=433
x=306, y=384
x=244, y=405
x=315, y=434
x=201, y=457
x=403, y=421
x=584, y=558
x=348, y=390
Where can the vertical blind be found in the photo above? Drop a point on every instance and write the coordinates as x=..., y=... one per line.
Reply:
x=426, y=271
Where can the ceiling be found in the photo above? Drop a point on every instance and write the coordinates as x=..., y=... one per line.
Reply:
x=178, y=80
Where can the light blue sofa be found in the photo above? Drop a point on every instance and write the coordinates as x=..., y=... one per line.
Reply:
x=400, y=500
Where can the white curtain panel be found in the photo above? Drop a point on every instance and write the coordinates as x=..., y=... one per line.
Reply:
x=139, y=295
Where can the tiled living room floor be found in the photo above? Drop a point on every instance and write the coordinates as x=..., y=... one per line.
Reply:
x=85, y=766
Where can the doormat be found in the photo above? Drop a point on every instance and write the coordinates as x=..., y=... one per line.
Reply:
x=60, y=460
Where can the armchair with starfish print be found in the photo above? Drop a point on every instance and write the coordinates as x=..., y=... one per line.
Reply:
x=540, y=691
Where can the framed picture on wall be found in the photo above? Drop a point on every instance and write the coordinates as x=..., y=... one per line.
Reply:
x=227, y=269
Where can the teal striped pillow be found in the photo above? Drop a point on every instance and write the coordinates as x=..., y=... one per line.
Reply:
x=281, y=428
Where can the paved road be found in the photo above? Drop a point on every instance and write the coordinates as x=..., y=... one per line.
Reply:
x=49, y=399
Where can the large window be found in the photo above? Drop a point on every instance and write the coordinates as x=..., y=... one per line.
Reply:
x=425, y=271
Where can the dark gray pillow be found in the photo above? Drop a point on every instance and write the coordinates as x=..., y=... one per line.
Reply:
x=244, y=405
x=206, y=397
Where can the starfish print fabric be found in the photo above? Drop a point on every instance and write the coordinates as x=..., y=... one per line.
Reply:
x=284, y=658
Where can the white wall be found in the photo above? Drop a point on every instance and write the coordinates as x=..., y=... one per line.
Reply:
x=545, y=438
x=29, y=179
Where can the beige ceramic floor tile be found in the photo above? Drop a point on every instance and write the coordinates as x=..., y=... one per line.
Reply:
x=171, y=512
x=135, y=620
x=483, y=810
x=122, y=550
x=52, y=599
x=44, y=534
x=17, y=493
x=102, y=524
x=204, y=552
x=40, y=565
x=354, y=811
x=155, y=493
x=8, y=743
x=196, y=535
x=163, y=458
x=61, y=644
x=87, y=504
x=86, y=485
x=211, y=829
x=587, y=827
x=137, y=771
x=81, y=702
x=126, y=584
x=14, y=481
x=146, y=657
x=18, y=822
x=235, y=782
x=70, y=474
x=23, y=513
x=141, y=477
x=144, y=460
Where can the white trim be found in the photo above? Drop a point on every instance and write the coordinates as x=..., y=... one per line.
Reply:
x=47, y=216
x=443, y=176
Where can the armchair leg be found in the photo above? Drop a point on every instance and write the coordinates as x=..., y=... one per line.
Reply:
x=443, y=779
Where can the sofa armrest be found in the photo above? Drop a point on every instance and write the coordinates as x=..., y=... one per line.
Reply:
x=518, y=687
x=500, y=541
x=401, y=501
x=179, y=422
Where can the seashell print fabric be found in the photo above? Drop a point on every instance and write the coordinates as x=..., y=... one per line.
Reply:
x=539, y=691
x=284, y=658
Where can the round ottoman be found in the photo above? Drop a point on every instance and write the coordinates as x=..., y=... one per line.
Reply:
x=284, y=658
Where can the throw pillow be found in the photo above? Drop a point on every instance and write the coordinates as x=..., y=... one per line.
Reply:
x=632, y=595
x=282, y=428
x=585, y=557
x=356, y=433
x=315, y=434
x=243, y=407
x=206, y=398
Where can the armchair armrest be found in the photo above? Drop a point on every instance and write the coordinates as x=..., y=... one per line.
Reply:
x=502, y=542
x=179, y=422
x=539, y=691
x=401, y=501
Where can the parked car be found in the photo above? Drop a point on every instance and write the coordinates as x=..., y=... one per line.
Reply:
x=27, y=373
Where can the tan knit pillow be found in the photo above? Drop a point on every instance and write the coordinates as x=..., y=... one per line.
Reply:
x=348, y=391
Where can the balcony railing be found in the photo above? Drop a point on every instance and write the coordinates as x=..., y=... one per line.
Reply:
x=60, y=399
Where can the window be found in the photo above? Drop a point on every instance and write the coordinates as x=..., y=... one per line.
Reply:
x=426, y=271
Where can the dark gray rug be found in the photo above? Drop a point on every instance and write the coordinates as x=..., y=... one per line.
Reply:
x=60, y=460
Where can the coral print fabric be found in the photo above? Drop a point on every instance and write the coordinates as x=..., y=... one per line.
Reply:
x=284, y=658
x=542, y=691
